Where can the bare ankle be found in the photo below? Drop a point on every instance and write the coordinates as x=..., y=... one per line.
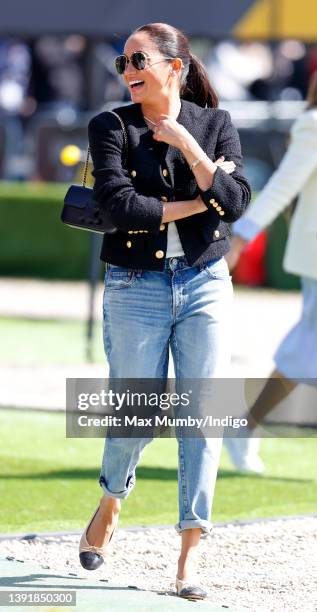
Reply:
x=110, y=505
x=186, y=566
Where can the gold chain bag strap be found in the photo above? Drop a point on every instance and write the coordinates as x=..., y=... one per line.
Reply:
x=125, y=140
x=80, y=209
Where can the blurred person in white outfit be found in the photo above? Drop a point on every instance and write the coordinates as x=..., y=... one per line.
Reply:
x=296, y=357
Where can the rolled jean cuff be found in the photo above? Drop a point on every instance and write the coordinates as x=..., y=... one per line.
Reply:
x=205, y=526
x=117, y=494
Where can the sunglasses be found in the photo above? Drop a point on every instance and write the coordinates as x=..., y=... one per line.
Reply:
x=138, y=60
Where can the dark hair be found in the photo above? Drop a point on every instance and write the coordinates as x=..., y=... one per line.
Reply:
x=312, y=91
x=194, y=84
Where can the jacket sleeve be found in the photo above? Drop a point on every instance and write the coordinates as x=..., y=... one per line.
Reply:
x=231, y=192
x=113, y=188
x=298, y=163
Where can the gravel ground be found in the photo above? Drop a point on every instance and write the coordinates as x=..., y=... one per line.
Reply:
x=264, y=566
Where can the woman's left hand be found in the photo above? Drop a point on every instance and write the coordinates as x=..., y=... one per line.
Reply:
x=227, y=166
x=170, y=131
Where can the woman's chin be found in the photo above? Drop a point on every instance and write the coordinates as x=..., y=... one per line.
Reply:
x=137, y=95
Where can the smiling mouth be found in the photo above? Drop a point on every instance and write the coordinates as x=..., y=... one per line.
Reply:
x=137, y=85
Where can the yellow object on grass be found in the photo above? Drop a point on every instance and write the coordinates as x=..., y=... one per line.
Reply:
x=70, y=155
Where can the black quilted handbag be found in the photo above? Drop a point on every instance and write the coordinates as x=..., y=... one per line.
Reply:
x=81, y=210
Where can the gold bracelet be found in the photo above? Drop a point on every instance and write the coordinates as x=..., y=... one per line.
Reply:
x=196, y=162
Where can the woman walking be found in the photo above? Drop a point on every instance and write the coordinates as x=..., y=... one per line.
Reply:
x=167, y=283
x=296, y=357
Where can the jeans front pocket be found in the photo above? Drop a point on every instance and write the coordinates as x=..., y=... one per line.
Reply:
x=217, y=269
x=119, y=277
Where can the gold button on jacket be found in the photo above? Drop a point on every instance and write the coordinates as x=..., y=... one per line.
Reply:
x=162, y=227
x=165, y=172
x=159, y=254
x=216, y=233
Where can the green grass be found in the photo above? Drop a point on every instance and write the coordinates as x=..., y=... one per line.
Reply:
x=22, y=342
x=39, y=244
x=50, y=483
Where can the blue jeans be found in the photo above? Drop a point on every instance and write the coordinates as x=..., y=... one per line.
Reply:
x=145, y=312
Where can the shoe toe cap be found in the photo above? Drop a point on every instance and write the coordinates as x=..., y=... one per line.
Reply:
x=90, y=560
x=193, y=592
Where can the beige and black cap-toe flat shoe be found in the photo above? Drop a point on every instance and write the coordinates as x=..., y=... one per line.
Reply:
x=92, y=557
x=188, y=590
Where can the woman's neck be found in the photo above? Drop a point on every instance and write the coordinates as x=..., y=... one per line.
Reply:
x=167, y=107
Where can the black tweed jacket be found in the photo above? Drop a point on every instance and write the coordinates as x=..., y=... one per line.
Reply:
x=156, y=172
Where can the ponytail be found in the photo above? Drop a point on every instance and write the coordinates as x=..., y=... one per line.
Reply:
x=312, y=92
x=197, y=87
